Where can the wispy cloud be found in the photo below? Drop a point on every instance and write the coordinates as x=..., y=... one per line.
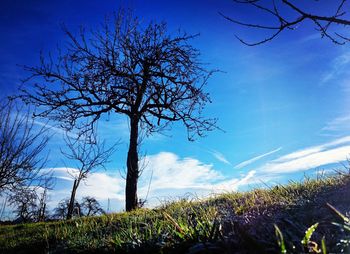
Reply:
x=341, y=123
x=219, y=156
x=338, y=68
x=315, y=160
x=235, y=183
x=313, y=149
x=106, y=128
x=65, y=173
x=109, y=126
x=310, y=38
x=55, y=130
x=310, y=158
x=256, y=158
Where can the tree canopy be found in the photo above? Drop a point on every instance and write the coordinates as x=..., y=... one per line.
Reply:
x=124, y=67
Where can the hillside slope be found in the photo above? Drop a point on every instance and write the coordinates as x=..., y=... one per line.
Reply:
x=227, y=223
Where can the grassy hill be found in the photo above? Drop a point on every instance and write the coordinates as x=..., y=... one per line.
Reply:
x=277, y=220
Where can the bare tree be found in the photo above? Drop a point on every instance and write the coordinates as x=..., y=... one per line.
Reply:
x=89, y=154
x=21, y=147
x=25, y=202
x=30, y=201
x=42, y=206
x=287, y=15
x=61, y=211
x=153, y=78
x=91, y=207
x=88, y=206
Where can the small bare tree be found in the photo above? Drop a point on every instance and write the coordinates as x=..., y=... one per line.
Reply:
x=25, y=202
x=89, y=154
x=42, y=206
x=287, y=15
x=21, y=148
x=61, y=211
x=90, y=207
x=30, y=201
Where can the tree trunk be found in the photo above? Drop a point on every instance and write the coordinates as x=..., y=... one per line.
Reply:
x=72, y=199
x=132, y=167
x=42, y=206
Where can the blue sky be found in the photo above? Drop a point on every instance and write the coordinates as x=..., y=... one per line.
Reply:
x=283, y=106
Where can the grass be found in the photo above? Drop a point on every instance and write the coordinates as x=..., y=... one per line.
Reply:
x=294, y=218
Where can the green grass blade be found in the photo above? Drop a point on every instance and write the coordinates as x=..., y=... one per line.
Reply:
x=308, y=234
x=280, y=239
x=323, y=245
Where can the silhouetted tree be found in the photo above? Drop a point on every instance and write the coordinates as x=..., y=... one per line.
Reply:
x=90, y=207
x=153, y=78
x=89, y=154
x=61, y=211
x=42, y=206
x=21, y=147
x=30, y=202
x=25, y=204
x=288, y=15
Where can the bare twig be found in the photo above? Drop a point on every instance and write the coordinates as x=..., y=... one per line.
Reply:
x=297, y=16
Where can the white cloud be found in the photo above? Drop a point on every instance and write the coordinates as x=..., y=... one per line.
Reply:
x=312, y=157
x=254, y=159
x=101, y=185
x=165, y=173
x=172, y=172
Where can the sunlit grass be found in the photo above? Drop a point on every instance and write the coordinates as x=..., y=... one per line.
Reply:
x=281, y=219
